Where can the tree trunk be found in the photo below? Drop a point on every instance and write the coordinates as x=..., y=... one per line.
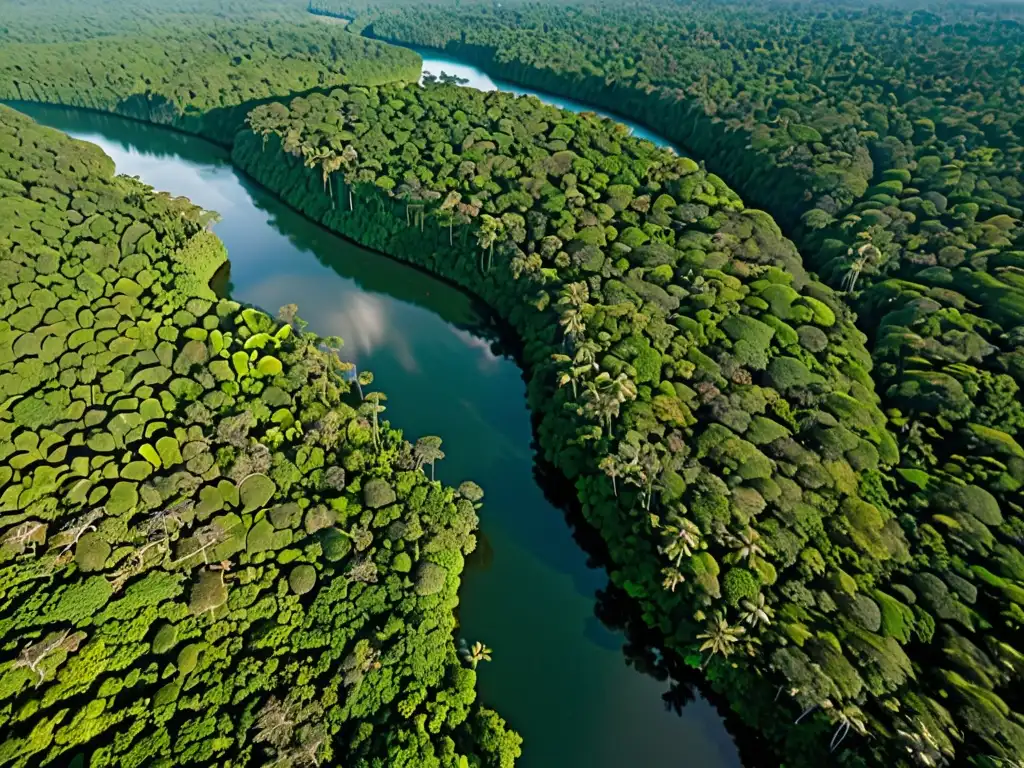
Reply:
x=350, y=197
x=450, y=225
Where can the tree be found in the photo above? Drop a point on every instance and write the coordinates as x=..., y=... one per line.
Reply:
x=27, y=534
x=575, y=295
x=474, y=654
x=487, y=234
x=610, y=466
x=570, y=374
x=572, y=323
x=76, y=529
x=314, y=156
x=274, y=724
x=329, y=164
x=349, y=158
x=865, y=254
x=33, y=656
x=681, y=538
x=672, y=578
x=746, y=546
x=209, y=592
x=449, y=209
x=586, y=354
x=621, y=388
x=756, y=611
x=374, y=403
x=719, y=638
x=428, y=450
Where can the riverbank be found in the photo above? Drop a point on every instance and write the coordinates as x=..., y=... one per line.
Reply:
x=571, y=695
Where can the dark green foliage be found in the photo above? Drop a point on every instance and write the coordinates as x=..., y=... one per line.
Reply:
x=902, y=185
x=735, y=311
x=131, y=58
x=168, y=548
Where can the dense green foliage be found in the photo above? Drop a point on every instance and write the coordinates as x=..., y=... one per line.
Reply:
x=676, y=343
x=196, y=72
x=896, y=160
x=711, y=399
x=212, y=550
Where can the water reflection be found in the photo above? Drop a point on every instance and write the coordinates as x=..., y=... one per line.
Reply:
x=530, y=589
x=437, y=64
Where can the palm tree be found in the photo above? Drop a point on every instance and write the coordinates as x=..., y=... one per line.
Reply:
x=847, y=718
x=621, y=387
x=475, y=653
x=682, y=539
x=575, y=295
x=866, y=254
x=673, y=578
x=313, y=156
x=719, y=638
x=607, y=409
x=487, y=234
x=328, y=165
x=650, y=470
x=349, y=158
x=448, y=207
x=586, y=353
x=571, y=374
x=572, y=322
x=611, y=467
x=746, y=545
x=292, y=143
x=428, y=449
x=601, y=404
x=374, y=400
x=756, y=611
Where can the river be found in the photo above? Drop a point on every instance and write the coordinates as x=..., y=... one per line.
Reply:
x=564, y=679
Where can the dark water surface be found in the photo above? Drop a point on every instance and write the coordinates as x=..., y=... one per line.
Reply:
x=559, y=675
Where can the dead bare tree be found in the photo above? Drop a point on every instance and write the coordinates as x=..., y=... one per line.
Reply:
x=33, y=655
x=208, y=536
x=24, y=535
x=310, y=739
x=364, y=571
x=275, y=724
x=134, y=564
x=166, y=522
x=77, y=528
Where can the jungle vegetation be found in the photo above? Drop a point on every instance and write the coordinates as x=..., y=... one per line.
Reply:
x=714, y=405
x=827, y=520
x=197, y=72
x=213, y=548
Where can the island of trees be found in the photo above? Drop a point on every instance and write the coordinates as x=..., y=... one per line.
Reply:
x=826, y=519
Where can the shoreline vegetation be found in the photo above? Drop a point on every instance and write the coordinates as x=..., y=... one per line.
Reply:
x=213, y=547
x=827, y=524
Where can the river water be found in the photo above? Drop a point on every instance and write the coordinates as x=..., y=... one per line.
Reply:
x=562, y=677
